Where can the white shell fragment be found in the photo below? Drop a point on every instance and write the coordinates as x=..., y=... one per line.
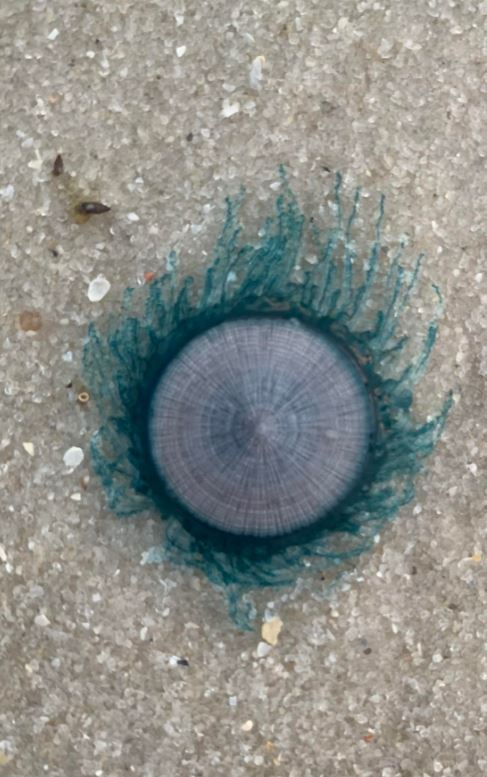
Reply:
x=255, y=75
x=7, y=192
x=42, y=620
x=73, y=457
x=98, y=288
x=229, y=109
x=263, y=649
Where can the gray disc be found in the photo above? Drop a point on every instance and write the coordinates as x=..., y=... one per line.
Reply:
x=260, y=426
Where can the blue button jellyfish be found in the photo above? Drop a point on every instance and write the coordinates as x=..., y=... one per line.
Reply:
x=265, y=410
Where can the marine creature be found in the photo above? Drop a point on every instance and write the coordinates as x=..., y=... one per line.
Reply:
x=265, y=410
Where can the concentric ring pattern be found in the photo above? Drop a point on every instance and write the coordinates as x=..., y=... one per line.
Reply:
x=260, y=426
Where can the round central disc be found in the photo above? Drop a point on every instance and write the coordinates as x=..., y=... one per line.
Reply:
x=260, y=426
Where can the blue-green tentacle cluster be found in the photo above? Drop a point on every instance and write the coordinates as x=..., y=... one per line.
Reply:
x=333, y=293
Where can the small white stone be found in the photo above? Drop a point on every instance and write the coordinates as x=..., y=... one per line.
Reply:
x=133, y=217
x=229, y=109
x=98, y=288
x=90, y=54
x=53, y=34
x=73, y=457
x=42, y=620
x=68, y=356
x=437, y=658
x=385, y=48
x=233, y=701
x=7, y=192
x=181, y=51
x=248, y=725
x=3, y=555
x=179, y=18
x=76, y=497
x=28, y=448
x=255, y=75
x=263, y=649
x=143, y=633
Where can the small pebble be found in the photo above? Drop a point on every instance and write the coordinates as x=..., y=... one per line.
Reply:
x=271, y=629
x=28, y=448
x=263, y=649
x=73, y=457
x=248, y=725
x=92, y=208
x=7, y=192
x=30, y=321
x=42, y=620
x=98, y=288
x=58, y=166
x=255, y=75
x=180, y=51
x=229, y=109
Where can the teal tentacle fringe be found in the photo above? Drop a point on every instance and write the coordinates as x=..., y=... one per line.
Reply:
x=121, y=358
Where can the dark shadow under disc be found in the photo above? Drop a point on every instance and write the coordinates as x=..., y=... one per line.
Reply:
x=260, y=426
